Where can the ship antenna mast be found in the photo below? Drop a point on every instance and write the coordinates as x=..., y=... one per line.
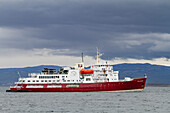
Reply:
x=82, y=57
x=98, y=55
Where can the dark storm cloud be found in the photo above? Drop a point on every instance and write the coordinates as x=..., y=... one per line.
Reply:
x=120, y=28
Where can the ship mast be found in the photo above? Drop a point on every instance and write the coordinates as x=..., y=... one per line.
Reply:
x=98, y=55
x=82, y=57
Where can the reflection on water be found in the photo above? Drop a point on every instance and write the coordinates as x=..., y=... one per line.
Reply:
x=151, y=100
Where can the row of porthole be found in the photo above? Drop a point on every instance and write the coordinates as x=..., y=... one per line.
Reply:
x=109, y=84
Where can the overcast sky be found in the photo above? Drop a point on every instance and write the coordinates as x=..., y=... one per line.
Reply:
x=35, y=32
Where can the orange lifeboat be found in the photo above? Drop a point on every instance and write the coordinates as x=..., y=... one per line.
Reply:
x=86, y=71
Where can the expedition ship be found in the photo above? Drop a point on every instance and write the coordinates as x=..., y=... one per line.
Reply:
x=99, y=77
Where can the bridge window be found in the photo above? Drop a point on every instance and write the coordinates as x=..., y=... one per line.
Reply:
x=80, y=65
x=88, y=79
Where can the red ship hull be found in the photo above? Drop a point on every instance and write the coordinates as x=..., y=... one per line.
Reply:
x=137, y=84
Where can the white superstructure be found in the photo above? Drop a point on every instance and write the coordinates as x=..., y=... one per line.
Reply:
x=100, y=72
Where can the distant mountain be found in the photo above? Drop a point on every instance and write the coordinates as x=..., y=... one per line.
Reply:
x=156, y=73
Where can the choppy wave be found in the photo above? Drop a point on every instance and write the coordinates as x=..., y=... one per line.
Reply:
x=151, y=100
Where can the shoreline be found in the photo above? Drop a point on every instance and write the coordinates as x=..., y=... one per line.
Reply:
x=157, y=85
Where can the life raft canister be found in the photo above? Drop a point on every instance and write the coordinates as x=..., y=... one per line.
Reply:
x=86, y=71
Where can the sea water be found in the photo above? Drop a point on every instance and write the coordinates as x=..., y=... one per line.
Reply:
x=151, y=100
